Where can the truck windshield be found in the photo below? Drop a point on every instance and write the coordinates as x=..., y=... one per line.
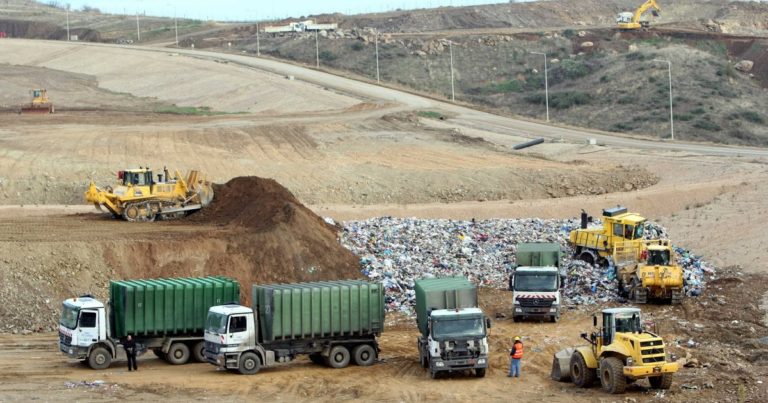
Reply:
x=458, y=328
x=536, y=281
x=216, y=323
x=69, y=316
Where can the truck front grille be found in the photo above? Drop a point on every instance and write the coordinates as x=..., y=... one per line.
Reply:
x=536, y=302
x=652, y=351
x=64, y=339
x=212, y=347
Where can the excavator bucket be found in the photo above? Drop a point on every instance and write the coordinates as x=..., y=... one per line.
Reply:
x=561, y=365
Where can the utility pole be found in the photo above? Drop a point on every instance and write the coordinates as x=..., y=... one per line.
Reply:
x=671, y=117
x=546, y=81
x=69, y=37
x=138, y=29
x=258, y=48
x=378, y=80
x=317, y=51
x=450, y=52
x=176, y=24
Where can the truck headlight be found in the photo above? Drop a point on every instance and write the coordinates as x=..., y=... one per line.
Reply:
x=481, y=360
x=439, y=364
x=553, y=309
x=517, y=302
x=71, y=351
x=630, y=361
x=518, y=310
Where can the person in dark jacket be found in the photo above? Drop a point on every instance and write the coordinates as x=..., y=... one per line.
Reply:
x=130, y=351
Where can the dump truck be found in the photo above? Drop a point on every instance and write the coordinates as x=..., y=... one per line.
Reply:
x=619, y=352
x=536, y=280
x=333, y=322
x=453, y=329
x=597, y=245
x=39, y=104
x=166, y=316
x=139, y=196
x=649, y=270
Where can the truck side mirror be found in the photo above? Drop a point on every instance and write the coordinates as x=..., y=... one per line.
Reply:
x=488, y=323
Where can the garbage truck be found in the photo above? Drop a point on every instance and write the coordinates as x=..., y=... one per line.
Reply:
x=453, y=329
x=166, y=316
x=536, y=280
x=334, y=322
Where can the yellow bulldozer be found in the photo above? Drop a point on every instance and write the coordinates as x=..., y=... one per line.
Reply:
x=620, y=352
x=597, y=245
x=139, y=197
x=648, y=270
x=39, y=104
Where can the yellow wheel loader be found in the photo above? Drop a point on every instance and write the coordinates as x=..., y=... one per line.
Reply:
x=620, y=352
x=648, y=270
x=139, y=197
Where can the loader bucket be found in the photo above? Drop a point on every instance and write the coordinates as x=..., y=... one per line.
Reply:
x=561, y=365
x=205, y=191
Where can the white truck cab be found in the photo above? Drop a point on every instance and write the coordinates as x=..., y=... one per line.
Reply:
x=457, y=340
x=536, y=293
x=231, y=331
x=84, y=327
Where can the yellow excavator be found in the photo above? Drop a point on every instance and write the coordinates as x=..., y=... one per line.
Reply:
x=40, y=103
x=633, y=20
x=139, y=197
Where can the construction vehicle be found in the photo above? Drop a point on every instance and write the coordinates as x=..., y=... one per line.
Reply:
x=166, y=316
x=648, y=270
x=453, y=329
x=597, y=245
x=536, y=280
x=620, y=352
x=634, y=20
x=334, y=322
x=139, y=197
x=39, y=104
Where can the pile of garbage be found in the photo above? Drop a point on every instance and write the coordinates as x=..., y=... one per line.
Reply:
x=399, y=251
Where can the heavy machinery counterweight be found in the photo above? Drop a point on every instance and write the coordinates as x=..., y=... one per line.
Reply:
x=139, y=197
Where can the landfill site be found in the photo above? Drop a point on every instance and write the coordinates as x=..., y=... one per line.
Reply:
x=263, y=225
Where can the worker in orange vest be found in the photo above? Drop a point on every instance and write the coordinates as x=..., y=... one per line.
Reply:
x=516, y=355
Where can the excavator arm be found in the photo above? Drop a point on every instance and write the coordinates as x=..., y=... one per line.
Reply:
x=650, y=4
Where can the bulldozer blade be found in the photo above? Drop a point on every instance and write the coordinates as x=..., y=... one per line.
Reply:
x=561, y=365
x=98, y=207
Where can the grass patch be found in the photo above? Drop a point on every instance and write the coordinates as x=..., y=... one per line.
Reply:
x=561, y=100
x=708, y=125
x=187, y=110
x=750, y=116
x=430, y=115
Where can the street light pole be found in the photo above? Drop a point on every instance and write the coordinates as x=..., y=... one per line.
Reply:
x=176, y=24
x=317, y=51
x=68, y=36
x=450, y=52
x=378, y=80
x=258, y=47
x=546, y=81
x=671, y=116
x=138, y=30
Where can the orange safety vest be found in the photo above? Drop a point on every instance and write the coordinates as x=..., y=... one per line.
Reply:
x=518, y=353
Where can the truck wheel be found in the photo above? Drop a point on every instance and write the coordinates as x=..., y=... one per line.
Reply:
x=364, y=355
x=158, y=353
x=582, y=376
x=480, y=372
x=516, y=318
x=554, y=318
x=661, y=382
x=99, y=358
x=317, y=358
x=339, y=357
x=198, y=351
x=433, y=374
x=612, y=375
x=178, y=354
x=424, y=362
x=249, y=363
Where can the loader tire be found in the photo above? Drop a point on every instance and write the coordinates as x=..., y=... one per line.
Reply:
x=99, y=358
x=612, y=376
x=661, y=382
x=582, y=376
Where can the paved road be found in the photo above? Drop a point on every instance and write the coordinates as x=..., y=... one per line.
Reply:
x=464, y=116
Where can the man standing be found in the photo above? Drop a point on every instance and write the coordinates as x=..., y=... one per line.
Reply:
x=516, y=354
x=130, y=351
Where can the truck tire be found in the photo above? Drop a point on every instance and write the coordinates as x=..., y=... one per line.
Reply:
x=612, y=375
x=364, y=355
x=178, y=354
x=339, y=357
x=158, y=352
x=554, y=318
x=99, y=358
x=249, y=363
x=424, y=361
x=480, y=372
x=317, y=358
x=198, y=351
x=582, y=376
x=661, y=382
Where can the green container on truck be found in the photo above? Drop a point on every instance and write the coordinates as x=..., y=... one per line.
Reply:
x=453, y=329
x=334, y=322
x=166, y=316
x=536, y=280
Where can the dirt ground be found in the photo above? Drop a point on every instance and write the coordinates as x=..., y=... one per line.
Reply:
x=346, y=157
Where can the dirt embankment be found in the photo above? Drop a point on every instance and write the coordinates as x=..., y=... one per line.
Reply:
x=255, y=231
